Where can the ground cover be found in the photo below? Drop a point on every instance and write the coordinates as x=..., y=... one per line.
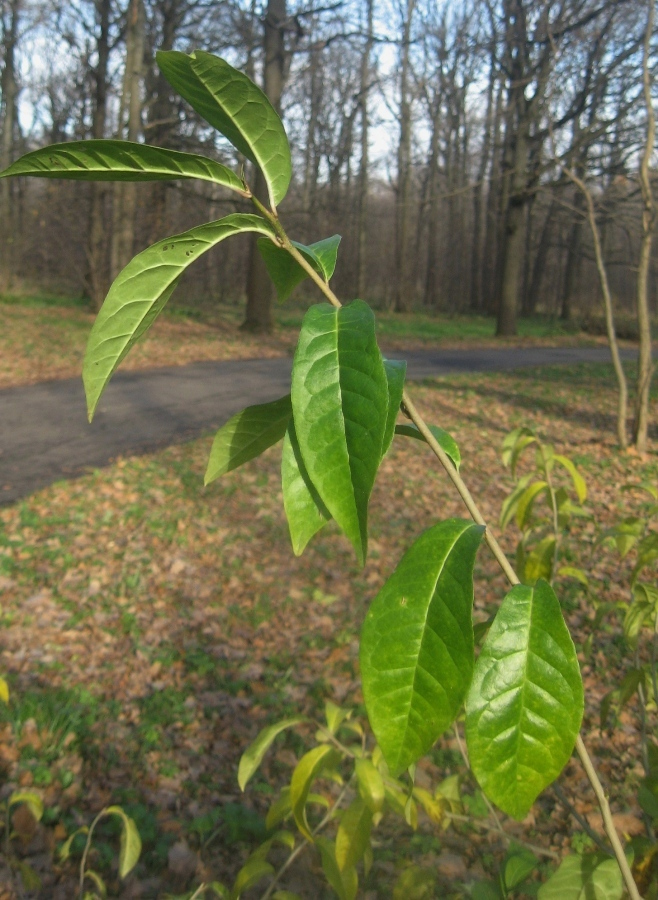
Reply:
x=151, y=627
x=44, y=337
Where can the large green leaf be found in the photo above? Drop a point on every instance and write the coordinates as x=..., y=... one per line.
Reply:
x=525, y=705
x=140, y=292
x=446, y=441
x=590, y=877
x=235, y=106
x=340, y=407
x=305, y=511
x=120, y=161
x=284, y=270
x=417, y=643
x=396, y=370
x=246, y=435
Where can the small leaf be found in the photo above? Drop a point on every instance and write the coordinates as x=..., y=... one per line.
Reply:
x=415, y=883
x=65, y=849
x=305, y=511
x=284, y=270
x=120, y=161
x=279, y=809
x=98, y=881
x=434, y=807
x=246, y=435
x=131, y=843
x=371, y=785
x=353, y=835
x=519, y=863
x=396, y=370
x=285, y=895
x=417, y=643
x=572, y=572
x=539, y=562
x=590, y=877
x=510, y=504
x=340, y=405
x=335, y=716
x=526, y=502
x=30, y=879
x=306, y=771
x=514, y=444
x=4, y=691
x=345, y=883
x=140, y=292
x=525, y=704
x=33, y=802
x=236, y=107
x=253, y=755
x=486, y=890
x=443, y=439
x=578, y=480
x=250, y=874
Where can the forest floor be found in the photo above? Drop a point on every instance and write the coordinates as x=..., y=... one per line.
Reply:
x=152, y=627
x=43, y=338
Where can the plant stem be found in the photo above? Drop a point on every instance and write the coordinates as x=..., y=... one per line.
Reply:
x=493, y=545
x=300, y=849
x=83, y=861
x=582, y=821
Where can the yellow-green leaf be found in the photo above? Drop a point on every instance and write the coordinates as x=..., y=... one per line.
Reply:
x=253, y=755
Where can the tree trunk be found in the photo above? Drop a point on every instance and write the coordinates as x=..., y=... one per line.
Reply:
x=404, y=295
x=9, y=91
x=539, y=264
x=310, y=150
x=362, y=209
x=479, y=207
x=125, y=195
x=98, y=282
x=645, y=363
x=258, y=317
x=431, y=297
x=574, y=259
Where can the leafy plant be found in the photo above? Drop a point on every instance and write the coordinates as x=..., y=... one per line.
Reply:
x=417, y=653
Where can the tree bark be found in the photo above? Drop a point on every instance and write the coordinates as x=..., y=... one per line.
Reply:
x=479, y=207
x=258, y=316
x=645, y=363
x=404, y=290
x=125, y=195
x=97, y=279
x=362, y=208
x=9, y=92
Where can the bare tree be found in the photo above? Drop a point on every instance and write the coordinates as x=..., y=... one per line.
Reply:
x=9, y=20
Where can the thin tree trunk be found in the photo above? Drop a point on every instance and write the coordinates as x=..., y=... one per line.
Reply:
x=645, y=363
x=574, y=259
x=622, y=386
x=403, y=298
x=9, y=94
x=125, y=195
x=310, y=152
x=479, y=207
x=258, y=316
x=362, y=209
x=431, y=297
x=98, y=238
x=539, y=264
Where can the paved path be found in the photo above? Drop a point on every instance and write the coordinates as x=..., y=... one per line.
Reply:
x=45, y=436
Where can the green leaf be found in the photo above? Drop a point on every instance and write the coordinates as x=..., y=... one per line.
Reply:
x=415, y=883
x=250, y=874
x=417, y=643
x=4, y=691
x=140, y=292
x=578, y=481
x=340, y=406
x=395, y=369
x=647, y=553
x=526, y=502
x=253, y=755
x=573, y=572
x=286, y=272
x=335, y=716
x=305, y=511
x=306, y=770
x=33, y=802
x=98, y=881
x=131, y=843
x=353, y=835
x=246, y=435
x=525, y=704
x=539, y=562
x=371, y=784
x=511, y=502
x=486, y=890
x=345, y=883
x=638, y=612
x=279, y=809
x=235, y=106
x=590, y=877
x=514, y=444
x=518, y=864
x=120, y=161
x=445, y=440
x=65, y=850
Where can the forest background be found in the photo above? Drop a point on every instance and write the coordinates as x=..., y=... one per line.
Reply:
x=432, y=136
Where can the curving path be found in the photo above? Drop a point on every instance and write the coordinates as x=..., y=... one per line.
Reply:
x=45, y=436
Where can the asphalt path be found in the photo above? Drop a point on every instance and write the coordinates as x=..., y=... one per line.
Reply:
x=45, y=436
